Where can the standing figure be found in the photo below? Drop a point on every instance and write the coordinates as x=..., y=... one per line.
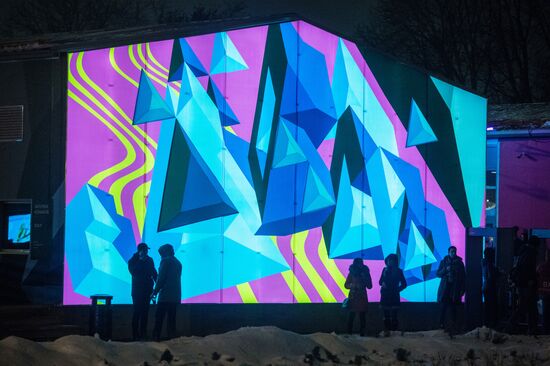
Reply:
x=142, y=269
x=451, y=288
x=543, y=272
x=392, y=282
x=358, y=281
x=524, y=276
x=168, y=288
x=490, y=274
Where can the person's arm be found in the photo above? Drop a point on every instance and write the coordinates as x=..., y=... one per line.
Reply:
x=132, y=265
x=154, y=273
x=348, y=283
x=368, y=279
x=161, y=281
x=442, y=270
x=382, y=277
x=402, y=281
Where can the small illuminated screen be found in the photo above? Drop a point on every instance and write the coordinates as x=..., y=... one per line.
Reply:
x=19, y=228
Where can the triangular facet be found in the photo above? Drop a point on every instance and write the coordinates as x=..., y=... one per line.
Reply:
x=226, y=57
x=150, y=106
x=316, y=195
x=227, y=116
x=191, y=59
x=287, y=150
x=419, y=131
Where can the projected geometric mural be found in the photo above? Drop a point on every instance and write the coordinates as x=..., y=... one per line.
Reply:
x=269, y=157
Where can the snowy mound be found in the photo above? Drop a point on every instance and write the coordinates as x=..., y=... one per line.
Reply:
x=270, y=345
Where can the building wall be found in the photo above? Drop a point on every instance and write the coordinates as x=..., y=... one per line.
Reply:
x=524, y=183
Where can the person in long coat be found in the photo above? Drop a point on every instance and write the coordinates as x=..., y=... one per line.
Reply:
x=168, y=288
x=451, y=288
x=142, y=269
x=392, y=282
x=490, y=275
x=358, y=281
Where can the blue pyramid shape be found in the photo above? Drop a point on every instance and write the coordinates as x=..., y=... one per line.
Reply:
x=266, y=117
x=150, y=106
x=227, y=116
x=191, y=193
x=226, y=57
x=191, y=59
x=99, y=244
x=419, y=131
x=287, y=150
x=316, y=196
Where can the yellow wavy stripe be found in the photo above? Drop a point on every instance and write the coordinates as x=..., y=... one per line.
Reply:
x=98, y=178
x=316, y=280
x=292, y=282
x=331, y=267
x=150, y=55
x=247, y=295
x=138, y=66
x=118, y=185
x=138, y=199
x=148, y=65
x=112, y=102
x=118, y=70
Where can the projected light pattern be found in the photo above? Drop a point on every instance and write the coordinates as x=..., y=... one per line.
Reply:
x=269, y=157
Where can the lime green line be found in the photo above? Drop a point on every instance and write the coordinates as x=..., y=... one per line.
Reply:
x=247, y=294
x=98, y=178
x=331, y=267
x=119, y=184
x=118, y=70
x=110, y=100
x=138, y=199
x=138, y=66
x=148, y=65
x=310, y=271
x=292, y=282
x=150, y=54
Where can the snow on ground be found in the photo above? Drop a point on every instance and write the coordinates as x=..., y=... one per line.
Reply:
x=274, y=346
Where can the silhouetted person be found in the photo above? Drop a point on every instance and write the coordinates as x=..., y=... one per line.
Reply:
x=451, y=288
x=358, y=281
x=142, y=269
x=490, y=274
x=543, y=272
x=524, y=277
x=392, y=282
x=168, y=288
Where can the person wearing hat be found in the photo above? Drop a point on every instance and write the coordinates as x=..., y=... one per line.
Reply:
x=168, y=288
x=144, y=274
x=392, y=282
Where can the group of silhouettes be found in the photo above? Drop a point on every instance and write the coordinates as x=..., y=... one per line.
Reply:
x=147, y=284
x=392, y=282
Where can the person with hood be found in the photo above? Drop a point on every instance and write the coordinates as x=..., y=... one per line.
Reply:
x=168, y=288
x=142, y=269
x=392, y=282
x=451, y=288
x=358, y=281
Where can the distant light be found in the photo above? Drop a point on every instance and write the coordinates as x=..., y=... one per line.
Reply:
x=490, y=128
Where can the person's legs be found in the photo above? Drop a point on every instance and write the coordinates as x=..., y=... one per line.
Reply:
x=532, y=311
x=171, y=308
x=443, y=314
x=351, y=317
x=394, y=320
x=454, y=326
x=138, y=309
x=362, y=323
x=159, y=319
x=387, y=319
x=144, y=316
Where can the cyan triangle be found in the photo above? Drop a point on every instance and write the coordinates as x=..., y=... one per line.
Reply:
x=419, y=131
x=418, y=252
x=172, y=99
x=316, y=195
x=287, y=150
x=266, y=116
x=395, y=187
x=150, y=106
x=226, y=57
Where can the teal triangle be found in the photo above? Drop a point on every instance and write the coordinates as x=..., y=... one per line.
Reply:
x=287, y=150
x=172, y=99
x=418, y=252
x=266, y=116
x=225, y=56
x=150, y=106
x=419, y=131
x=191, y=59
x=468, y=114
x=316, y=195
